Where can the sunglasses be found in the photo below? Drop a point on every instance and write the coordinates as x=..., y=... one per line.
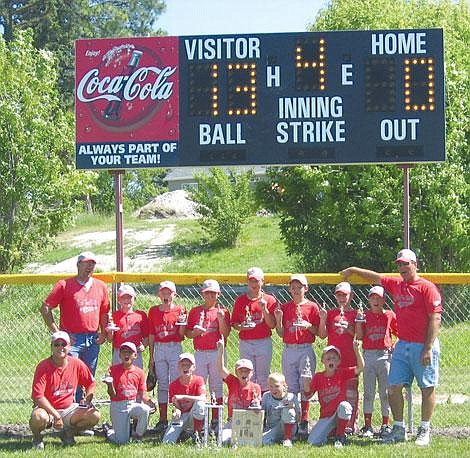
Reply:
x=59, y=344
x=403, y=263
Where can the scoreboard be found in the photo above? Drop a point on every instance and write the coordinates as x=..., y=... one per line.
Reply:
x=348, y=97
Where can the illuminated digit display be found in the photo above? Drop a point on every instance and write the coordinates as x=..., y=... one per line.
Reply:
x=352, y=97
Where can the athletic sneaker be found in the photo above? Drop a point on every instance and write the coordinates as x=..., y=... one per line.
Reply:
x=340, y=441
x=38, y=445
x=87, y=432
x=366, y=431
x=423, y=437
x=287, y=443
x=398, y=434
x=66, y=439
x=385, y=430
x=161, y=426
x=302, y=431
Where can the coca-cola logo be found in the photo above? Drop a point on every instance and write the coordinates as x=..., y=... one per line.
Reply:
x=131, y=87
x=127, y=86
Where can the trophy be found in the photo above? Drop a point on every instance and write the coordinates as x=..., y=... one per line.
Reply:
x=248, y=323
x=342, y=324
x=111, y=326
x=176, y=417
x=182, y=318
x=307, y=370
x=255, y=403
x=360, y=317
x=200, y=325
x=299, y=321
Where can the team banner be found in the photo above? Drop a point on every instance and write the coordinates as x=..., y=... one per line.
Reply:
x=352, y=97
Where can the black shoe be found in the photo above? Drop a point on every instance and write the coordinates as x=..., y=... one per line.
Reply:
x=161, y=426
x=340, y=441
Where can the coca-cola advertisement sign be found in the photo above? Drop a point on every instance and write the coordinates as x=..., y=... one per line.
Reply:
x=127, y=102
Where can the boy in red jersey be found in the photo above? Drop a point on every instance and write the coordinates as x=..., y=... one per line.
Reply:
x=129, y=399
x=376, y=334
x=131, y=325
x=253, y=317
x=165, y=338
x=188, y=396
x=55, y=381
x=297, y=323
x=331, y=385
x=242, y=392
x=339, y=326
x=215, y=325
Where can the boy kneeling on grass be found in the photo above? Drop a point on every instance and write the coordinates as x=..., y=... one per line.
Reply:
x=187, y=393
x=242, y=392
x=129, y=399
x=335, y=411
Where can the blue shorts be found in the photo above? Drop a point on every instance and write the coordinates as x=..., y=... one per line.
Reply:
x=406, y=365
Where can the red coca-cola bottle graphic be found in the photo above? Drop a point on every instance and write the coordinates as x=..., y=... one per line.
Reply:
x=113, y=109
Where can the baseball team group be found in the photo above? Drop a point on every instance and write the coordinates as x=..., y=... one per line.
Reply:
x=390, y=348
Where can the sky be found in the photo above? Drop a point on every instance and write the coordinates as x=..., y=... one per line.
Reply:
x=217, y=17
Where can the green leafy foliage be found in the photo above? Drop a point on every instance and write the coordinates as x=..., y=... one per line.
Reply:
x=225, y=201
x=139, y=187
x=37, y=185
x=332, y=217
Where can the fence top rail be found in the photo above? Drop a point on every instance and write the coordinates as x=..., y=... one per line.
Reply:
x=227, y=278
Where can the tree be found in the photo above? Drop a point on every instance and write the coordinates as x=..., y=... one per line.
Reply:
x=332, y=217
x=224, y=199
x=36, y=134
x=57, y=23
x=139, y=188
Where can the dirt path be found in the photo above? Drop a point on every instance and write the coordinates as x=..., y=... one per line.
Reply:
x=151, y=258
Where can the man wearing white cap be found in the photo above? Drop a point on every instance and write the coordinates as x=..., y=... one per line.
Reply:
x=165, y=337
x=131, y=325
x=215, y=321
x=418, y=307
x=55, y=381
x=129, y=399
x=255, y=335
x=83, y=302
x=376, y=332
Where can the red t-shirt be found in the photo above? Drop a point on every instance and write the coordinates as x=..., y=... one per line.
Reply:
x=378, y=330
x=293, y=334
x=196, y=387
x=261, y=330
x=127, y=382
x=133, y=327
x=58, y=384
x=162, y=325
x=240, y=397
x=343, y=341
x=208, y=340
x=81, y=306
x=331, y=390
x=413, y=303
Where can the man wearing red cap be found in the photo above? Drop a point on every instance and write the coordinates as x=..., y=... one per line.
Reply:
x=83, y=302
x=418, y=307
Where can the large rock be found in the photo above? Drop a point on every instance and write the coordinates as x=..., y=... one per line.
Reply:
x=174, y=204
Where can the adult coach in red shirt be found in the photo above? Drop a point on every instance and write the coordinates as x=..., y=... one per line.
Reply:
x=83, y=302
x=55, y=380
x=418, y=307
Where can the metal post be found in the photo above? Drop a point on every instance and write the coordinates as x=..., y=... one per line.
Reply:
x=406, y=244
x=118, y=210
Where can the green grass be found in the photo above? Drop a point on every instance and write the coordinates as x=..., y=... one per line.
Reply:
x=260, y=244
x=86, y=447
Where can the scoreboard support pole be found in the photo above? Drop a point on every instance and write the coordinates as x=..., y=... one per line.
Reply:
x=118, y=211
x=406, y=244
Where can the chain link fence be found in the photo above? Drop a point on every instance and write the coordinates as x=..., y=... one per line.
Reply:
x=24, y=338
